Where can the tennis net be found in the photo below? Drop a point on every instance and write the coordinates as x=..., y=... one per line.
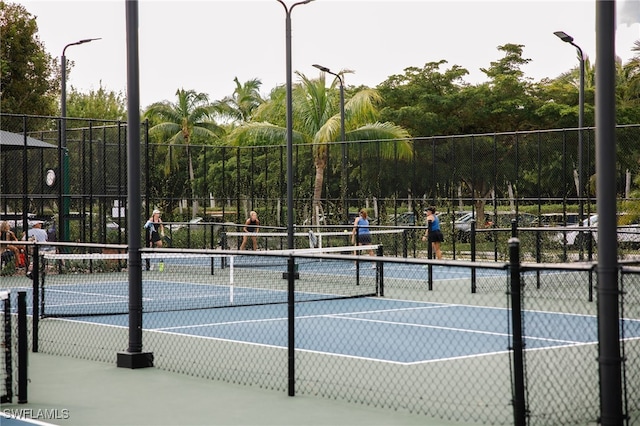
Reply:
x=97, y=284
x=392, y=239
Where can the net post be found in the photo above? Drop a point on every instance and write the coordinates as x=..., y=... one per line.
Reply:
x=379, y=273
x=405, y=243
x=23, y=347
x=35, y=270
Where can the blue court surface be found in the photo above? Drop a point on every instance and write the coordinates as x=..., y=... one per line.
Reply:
x=373, y=328
x=345, y=328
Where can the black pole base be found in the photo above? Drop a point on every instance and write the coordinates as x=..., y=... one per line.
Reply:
x=135, y=359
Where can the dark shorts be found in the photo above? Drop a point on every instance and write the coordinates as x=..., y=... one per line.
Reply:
x=436, y=236
x=155, y=237
x=7, y=255
x=364, y=238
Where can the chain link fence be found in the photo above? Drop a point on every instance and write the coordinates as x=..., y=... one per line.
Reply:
x=435, y=338
x=529, y=177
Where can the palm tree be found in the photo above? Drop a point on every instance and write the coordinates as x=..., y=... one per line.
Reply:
x=629, y=77
x=177, y=123
x=316, y=120
x=240, y=106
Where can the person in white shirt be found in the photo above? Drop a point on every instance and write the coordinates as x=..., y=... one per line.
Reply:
x=37, y=233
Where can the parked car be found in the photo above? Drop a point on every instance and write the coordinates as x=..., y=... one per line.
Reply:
x=113, y=226
x=191, y=225
x=501, y=220
x=626, y=234
x=403, y=219
x=556, y=219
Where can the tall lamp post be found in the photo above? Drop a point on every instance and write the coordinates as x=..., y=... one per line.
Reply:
x=343, y=190
x=288, y=11
x=290, y=274
x=64, y=153
x=568, y=39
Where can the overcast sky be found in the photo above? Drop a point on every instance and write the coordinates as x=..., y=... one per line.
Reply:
x=203, y=45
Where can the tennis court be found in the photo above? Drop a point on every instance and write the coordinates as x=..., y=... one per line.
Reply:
x=397, y=333
x=338, y=307
x=345, y=327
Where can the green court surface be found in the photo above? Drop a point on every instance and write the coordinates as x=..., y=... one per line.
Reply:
x=95, y=393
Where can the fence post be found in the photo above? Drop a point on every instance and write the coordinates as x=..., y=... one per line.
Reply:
x=517, y=346
x=8, y=360
x=379, y=273
x=291, y=326
x=430, y=254
x=473, y=255
x=23, y=347
x=36, y=305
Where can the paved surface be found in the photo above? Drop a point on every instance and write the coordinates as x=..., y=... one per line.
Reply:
x=77, y=392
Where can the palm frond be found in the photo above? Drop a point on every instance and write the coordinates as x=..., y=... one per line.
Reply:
x=258, y=134
x=385, y=131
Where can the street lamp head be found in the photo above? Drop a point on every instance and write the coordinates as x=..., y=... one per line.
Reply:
x=83, y=41
x=564, y=36
x=288, y=9
x=321, y=68
x=87, y=40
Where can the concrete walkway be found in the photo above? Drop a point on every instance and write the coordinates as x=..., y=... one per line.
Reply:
x=68, y=391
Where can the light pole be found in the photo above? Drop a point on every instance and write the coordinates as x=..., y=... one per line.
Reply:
x=568, y=39
x=288, y=11
x=64, y=153
x=343, y=189
x=290, y=274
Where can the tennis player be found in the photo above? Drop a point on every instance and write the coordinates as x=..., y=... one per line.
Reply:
x=435, y=237
x=251, y=226
x=156, y=229
x=361, y=231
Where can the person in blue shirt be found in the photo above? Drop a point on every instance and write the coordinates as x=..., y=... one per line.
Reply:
x=361, y=230
x=435, y=237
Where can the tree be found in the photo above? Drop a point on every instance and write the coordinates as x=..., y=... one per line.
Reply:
x=425, y=100
x=316, y=120
x=99, y=104
x=29, y=79
x=628, y=88
x=177, y=124
x=240, y=106
x=507, y=103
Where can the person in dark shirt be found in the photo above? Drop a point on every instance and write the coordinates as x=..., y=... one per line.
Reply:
x=156, y=229
x=251, y=226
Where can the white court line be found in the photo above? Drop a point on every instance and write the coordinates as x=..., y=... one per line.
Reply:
x=464, y=330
